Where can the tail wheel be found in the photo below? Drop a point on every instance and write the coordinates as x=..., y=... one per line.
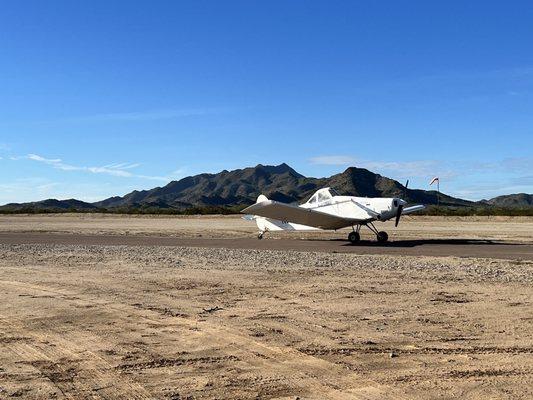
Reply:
x=354, y=237
x=382, y=237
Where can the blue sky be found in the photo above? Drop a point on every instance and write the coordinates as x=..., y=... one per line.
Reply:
x=99, y=98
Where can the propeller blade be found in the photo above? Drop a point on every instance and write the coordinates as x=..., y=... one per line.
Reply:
x=398, y=214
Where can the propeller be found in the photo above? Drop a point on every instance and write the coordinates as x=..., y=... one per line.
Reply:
x=398, y=214
x=400, y=207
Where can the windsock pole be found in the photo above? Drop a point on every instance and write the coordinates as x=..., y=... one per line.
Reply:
x=438, y=193
x=436, y=179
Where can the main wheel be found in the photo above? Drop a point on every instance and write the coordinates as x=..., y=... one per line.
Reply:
x=260, y=235
x=382, y=237
x=354, y=237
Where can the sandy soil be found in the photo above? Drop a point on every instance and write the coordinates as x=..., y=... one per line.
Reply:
x=491, y=228
x=191, y=323
x=90, y=322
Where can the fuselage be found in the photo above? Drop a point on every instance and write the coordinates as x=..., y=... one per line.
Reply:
x=376, y=208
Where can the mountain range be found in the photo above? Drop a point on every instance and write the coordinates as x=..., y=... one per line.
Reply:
x=241, y=187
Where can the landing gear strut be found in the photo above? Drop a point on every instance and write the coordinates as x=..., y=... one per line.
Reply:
x=381, y=236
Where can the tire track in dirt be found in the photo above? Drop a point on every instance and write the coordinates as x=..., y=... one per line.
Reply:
x=316, y=377
x=64, y=359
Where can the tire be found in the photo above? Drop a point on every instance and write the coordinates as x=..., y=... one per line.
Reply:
x=382, y=237
x=260, y=236
x=354, y=237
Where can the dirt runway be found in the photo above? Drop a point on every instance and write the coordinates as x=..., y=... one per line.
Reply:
x=429, y=247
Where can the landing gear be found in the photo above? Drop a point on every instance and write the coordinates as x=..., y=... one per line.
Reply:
x=381, y=236
x=354, y=237
x=260, y=235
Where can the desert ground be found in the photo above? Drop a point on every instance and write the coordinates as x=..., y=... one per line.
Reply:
x=139, y=322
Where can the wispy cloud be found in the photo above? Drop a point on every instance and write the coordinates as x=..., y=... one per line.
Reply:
x=122, y=166
x=490, y=190
x=422, y=168
x=518, y=164
x=524, y=180
x=418, y=168
x=35, y=157
x=116, y=169
x=486, y=178
x=27, y=189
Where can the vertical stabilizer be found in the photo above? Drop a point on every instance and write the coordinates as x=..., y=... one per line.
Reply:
x=260, y=221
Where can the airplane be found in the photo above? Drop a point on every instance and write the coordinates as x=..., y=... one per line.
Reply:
x=328, y=210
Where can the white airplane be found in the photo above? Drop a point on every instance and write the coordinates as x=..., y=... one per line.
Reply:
x=326, y=209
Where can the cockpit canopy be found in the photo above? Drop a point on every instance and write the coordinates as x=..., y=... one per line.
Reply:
x=322, y=195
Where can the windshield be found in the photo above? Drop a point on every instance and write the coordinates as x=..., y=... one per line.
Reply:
x=333, y=192
x=323, y=196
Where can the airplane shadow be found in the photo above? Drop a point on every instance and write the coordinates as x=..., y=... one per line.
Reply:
x=422, y=242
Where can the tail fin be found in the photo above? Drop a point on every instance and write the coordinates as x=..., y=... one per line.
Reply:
x=260, y=221
x=261, y=198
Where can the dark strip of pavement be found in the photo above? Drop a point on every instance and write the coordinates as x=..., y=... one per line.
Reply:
x=427, y=247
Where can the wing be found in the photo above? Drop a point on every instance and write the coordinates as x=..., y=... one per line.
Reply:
x=412, y=209
x=298, y=215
